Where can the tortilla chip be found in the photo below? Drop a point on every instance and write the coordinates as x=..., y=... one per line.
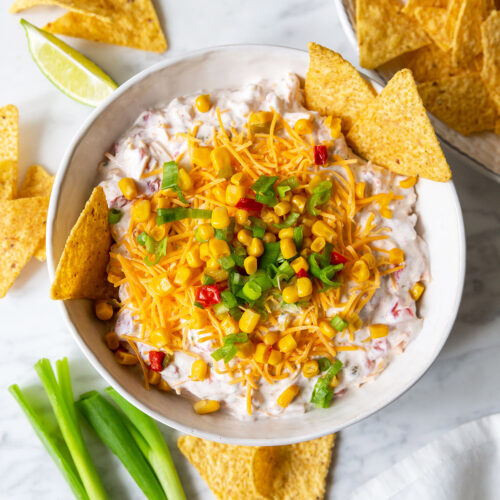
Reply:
x=81, y=272
x=9, y=133
x=467, y=36
x=37, y=183
x=432, y=20
x=395, y=132
x=135, y=24
x=98, y=8
x=462, y=102
x=452, y=13
x=8, y=179
x=490, y=36
x=335, y=87
x=22, y=225
x=384, y=32
x=411, y=5
x=293, y=472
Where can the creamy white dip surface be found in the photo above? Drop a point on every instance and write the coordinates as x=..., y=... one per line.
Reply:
x=154, y=139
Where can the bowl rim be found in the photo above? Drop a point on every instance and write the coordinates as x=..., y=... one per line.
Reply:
x=305, y=435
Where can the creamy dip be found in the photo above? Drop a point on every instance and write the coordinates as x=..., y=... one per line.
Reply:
x=157, y=137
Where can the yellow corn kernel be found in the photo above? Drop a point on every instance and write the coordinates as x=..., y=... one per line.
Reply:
x=217, y=274
x=360, y=271
x=245, y=350
x=141, y=210
x=282, y=208
x=417, y=290
x=396, y=256
x=212, y=264
x=286, y=232
x=234, y=194
x=221, y=162
x=241, y=217
x=335, y=126
x=103, y=310
x=200, y=155
x=378, y=331
x=229, y=324
x=125, y=358
x=386, y=213
x=163, y=385
x=182, y=276
x=206, y=231
x=305, y=252
x=244, y=237
x=288, y=395
x=159, y=201
x=260, y=122
x=261, y=354
x=318, y=244
x=274, y=358
x=199, y=370
x=287, y=196
x=219, y=193
x=128, y=188
x=288, y=249
x=269, y=238
x=193, y=258
x=239, y=178
x=204, y=252
x=198, y=318
x=369, y=259
x=304, y=287
x=327, y=329
x=360, y=190
x=248, y=321
x=184, y=180
x=161, y=285
x=310, y=368
x=202, y=103
x=270, y=338
x=159, y=337
x=205, y=406
x=269, y=217
x=303, y=126
x=308, y=242
x=158, y=232
x=300, y=263
x=408, y=182
x=287, y=343
x=250, y=264
x=314, y=182
x=154, y=377
x=218, y=248
x=290, y=294
x=220, y=218
x=320, y=228
x=112, y=341
x=256, y=248
x=299, y=203
x=335, y=382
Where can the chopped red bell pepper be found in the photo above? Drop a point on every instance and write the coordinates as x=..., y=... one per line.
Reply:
x=320, y=154
x=156, y=360
x=208, y=295
x=249, y=205
x=302, y=273
x=337, y=258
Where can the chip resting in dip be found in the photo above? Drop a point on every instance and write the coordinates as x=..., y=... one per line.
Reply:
x=262, y=268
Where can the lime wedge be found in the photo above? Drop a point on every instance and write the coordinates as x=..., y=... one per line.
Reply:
x=70, y=71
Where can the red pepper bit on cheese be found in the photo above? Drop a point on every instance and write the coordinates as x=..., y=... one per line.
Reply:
x=337, y=258
x=320, y=154
x=208, y=295
x=156, y=359
x=249, y=205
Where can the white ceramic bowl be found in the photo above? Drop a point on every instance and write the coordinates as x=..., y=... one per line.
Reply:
x=440, y=223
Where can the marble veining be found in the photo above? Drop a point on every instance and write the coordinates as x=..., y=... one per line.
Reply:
x=461, y=385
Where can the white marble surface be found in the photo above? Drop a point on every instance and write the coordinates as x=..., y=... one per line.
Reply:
x=462, y=384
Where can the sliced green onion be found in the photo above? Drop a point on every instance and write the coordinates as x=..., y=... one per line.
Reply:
x=283, y=273
x=236, y=338
x=268, y=199
x=239, y=254
x=227, y=262
x=291, y=219
x=141, y=238
x=251, y=291
x=270, y=255
x=207, y=280
x=220, y=308
x=226, y=353
x=227, y=233
x=171, y=178
x=264, y=190
x=262, y=279
x=324, y=274
x=178, y=213
x=320, y=195
x=236, y=313
x=236, y=281
x=114, y=215
x=198, y=305
x=322, y=393
x=324, y=364
x=298, y=237
x=287, y=185
x=153, y=247
x=228, y=299
x=338, y=323
x=199, y=239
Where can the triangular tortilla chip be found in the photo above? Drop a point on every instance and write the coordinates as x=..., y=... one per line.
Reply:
x=490, y=36
x=384, y=32
x=334, y=86
x=99, y=8
x=81, y=272
x=8, y=179
x=135, y=24
x=22, y=225
x=452, y=13
x=9, y=145
x=432, y=20
x=37, y=183
x=461, y=101
x=411, y=5
x=394, y=131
